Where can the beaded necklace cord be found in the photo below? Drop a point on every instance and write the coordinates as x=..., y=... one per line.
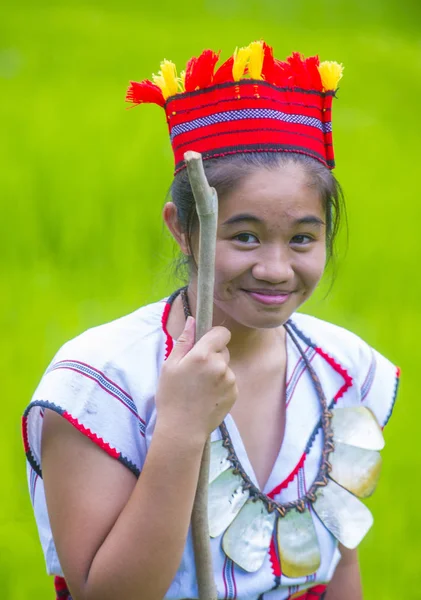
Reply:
x=328, y=445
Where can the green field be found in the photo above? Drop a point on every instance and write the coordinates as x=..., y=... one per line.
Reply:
x=83, y=182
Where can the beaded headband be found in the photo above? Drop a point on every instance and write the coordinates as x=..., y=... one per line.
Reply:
x=252, y=103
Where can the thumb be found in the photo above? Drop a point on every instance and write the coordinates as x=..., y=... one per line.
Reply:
x=186, y=340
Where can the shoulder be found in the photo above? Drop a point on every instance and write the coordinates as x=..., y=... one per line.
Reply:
x=103, y=382
x=343, y=345
x=110, y=342
x=373, y=378
x=121, y=359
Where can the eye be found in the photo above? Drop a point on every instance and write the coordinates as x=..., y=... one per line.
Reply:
x=246, y=238
x=302, y=239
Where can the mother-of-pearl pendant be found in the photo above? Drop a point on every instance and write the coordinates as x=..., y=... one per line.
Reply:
x=342, y=514
x=247, y=539
x=357, y=426
x=298, y=546
x=226, y=497
x=356, y=469
x=218, y=460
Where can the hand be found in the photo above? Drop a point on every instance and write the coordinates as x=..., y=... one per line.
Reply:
x=196, y=388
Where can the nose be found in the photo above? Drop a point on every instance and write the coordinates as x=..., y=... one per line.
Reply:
x=274, y=265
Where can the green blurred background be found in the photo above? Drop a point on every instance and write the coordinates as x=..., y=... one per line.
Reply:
x=83, y=182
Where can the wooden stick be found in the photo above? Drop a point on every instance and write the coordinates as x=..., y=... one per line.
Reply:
x=207, y=210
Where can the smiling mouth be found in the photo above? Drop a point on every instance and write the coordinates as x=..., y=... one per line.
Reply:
x=264, y=292
x=268, y=297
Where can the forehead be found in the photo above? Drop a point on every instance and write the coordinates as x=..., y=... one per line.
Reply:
x=277, y=194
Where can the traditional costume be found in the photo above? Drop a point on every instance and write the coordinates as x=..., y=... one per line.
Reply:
x=274, y=543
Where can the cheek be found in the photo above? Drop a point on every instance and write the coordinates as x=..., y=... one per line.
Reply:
x=230, y=263
x=313, y=266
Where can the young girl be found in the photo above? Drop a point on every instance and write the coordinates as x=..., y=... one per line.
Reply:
x=293, y=404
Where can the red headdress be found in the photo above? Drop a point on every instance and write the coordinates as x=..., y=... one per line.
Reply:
x=251, y=103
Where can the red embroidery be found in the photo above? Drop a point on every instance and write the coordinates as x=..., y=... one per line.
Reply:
x=347, y=384
x=274, y=559
x=333, y=363
x=317, y=591
x=289, y=479
x=60, y=586
x=93, y=436
x=25, y=434
x=169, y=341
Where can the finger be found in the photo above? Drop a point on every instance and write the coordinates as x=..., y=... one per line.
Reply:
x=185, y=342
x=215, y=340
x=225, y=355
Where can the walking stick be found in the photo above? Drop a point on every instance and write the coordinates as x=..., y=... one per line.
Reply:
x=207, y=210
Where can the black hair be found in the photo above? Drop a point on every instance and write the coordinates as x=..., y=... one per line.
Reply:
x=224, y=174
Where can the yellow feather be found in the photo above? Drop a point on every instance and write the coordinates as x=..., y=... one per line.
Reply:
x=182, y=81
x=241, y=57
x=160, y=82
x=169, y=73
x=331, y=73
x=256, y=60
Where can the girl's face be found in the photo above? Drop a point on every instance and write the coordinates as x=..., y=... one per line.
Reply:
x=270, y=249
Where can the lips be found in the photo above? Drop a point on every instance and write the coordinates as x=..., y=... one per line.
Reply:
x=268, y=292
x=268, y=297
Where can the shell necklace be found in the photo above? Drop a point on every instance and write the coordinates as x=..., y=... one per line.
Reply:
x=349, y=467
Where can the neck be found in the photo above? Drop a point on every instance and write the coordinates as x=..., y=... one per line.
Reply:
x=246, y=342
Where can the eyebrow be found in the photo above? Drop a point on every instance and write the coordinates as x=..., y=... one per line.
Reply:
x=241, y=218
x=307, y=220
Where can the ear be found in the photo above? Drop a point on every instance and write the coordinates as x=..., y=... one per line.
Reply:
x=169, y=214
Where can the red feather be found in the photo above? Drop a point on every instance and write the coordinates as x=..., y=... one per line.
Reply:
x=268, y=62
x=280, y=74
x=224, y=73
x=190, y=68
x=312, y=64
x=145, y=91
x=200, y=70
x=304, y=71
x=299, y=74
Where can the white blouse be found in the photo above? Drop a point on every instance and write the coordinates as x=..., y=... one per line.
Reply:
x=104, y=383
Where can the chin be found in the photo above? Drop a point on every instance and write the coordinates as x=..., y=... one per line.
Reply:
x=240, y=310
x=268, y=319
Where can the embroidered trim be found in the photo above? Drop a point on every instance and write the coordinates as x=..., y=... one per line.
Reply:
x=329, y=359
x=33, y=478
x=257, y=129
x=61, y=589
x=293, y=473
x=29, y=455
x=311, y=578
x=301, y=483
x=228, y=576
x=296, y=376
x=105, y=383
x=368, y=381
x=91, y=435
x=314, y=593
x=129, y=464
x=243, y=82
x=297, y=364
x=246, y=114
x=113, y=452
x=347, y=384
x=333, y=363
x=270, y=99
x=169, y=343
x=395, y=394
x=258, y=148
x=275, y=560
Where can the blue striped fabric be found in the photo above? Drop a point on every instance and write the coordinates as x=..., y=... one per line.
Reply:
x=249, y=113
